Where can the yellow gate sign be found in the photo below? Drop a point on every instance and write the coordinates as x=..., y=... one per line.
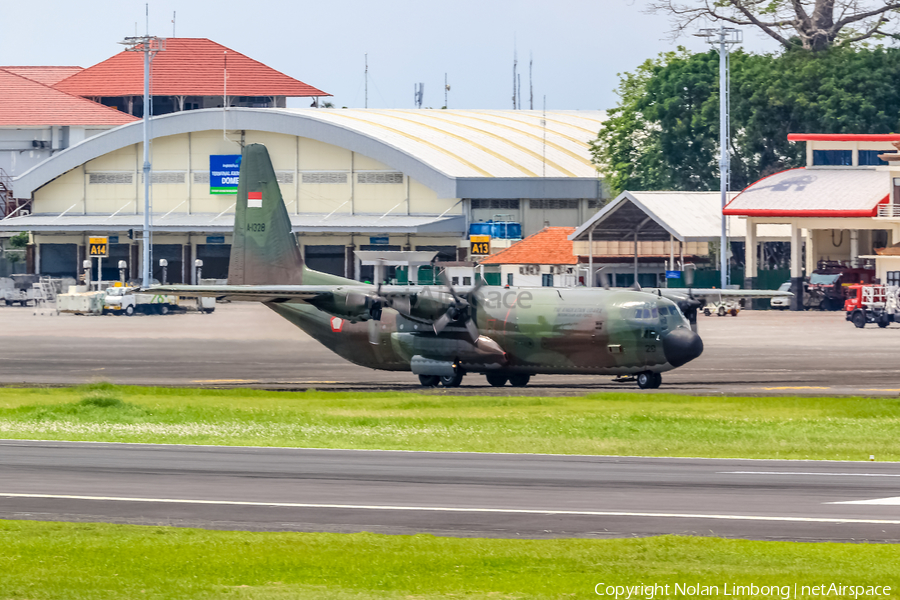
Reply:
x=479, y=245
x=98, y=246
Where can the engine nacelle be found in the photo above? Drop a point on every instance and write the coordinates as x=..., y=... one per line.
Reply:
x=352, y=305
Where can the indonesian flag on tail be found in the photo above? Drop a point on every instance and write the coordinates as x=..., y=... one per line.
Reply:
x=254, y=199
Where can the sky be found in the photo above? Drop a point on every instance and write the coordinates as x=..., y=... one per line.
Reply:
x=577, y=46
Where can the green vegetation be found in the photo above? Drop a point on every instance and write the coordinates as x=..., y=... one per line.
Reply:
x=664, y=133
x=625, y=423
x=75, y=560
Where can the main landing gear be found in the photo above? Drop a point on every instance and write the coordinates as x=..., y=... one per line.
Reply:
x=648, y=380
x=446, y=381
x=494, y=378
x=515, y=379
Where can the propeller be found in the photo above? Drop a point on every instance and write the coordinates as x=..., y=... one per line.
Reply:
x=460, y=309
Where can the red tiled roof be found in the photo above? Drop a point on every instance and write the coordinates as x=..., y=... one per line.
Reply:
x=843, y=137
x=29, y=103
x=549, y=246
x=46, y=75
x=187, y=67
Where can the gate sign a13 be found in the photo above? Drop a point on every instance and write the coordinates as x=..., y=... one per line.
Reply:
x=224, y=173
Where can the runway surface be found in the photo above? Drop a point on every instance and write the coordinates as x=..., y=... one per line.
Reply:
x=245, y=344
x=459, y=494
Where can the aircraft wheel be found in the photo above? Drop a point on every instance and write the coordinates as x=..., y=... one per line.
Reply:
x=429, y=380
x=657, y=380
x=646, y=379
x=859, y=319
x=519, y=379
x=129, y=310
x=452, y=380
x=496, y=379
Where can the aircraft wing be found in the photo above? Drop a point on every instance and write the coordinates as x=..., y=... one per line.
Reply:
x=247, y=293
x=714, y=293
x=283, y=293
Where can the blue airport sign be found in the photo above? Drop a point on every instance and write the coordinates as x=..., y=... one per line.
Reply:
x=224, y=173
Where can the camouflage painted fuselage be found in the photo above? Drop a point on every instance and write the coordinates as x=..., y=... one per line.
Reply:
x=540, y=330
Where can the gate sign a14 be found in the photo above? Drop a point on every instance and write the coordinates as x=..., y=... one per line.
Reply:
x=98, y=247
x=224, y=173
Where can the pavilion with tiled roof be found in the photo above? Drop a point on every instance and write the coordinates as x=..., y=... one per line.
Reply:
x=542, y=259
x=47, y=75
x=187, y=74
x=27, y=103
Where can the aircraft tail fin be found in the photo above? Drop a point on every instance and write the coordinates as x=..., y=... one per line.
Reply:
x=263, y=250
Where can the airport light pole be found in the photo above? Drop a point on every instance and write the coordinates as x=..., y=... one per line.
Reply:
x=724, y=38
x=149, y=45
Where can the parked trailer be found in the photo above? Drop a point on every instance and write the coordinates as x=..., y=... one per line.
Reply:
x=872, y=304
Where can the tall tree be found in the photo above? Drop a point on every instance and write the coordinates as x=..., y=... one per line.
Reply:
x=663, y=135
x=816, y=24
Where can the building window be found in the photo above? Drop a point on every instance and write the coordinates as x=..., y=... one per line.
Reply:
x=325, y=177
x=893, y=278
x=594, y=203
x=833, y=157
x=163, y=177
x=547, y=280
x=379, y=178
x=496, y=203
x=284, y=176
x=110, y=178
x=870, y=157
x=553, y=204
x=201, y=176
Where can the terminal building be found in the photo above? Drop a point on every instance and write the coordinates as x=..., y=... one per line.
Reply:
x=351, y=179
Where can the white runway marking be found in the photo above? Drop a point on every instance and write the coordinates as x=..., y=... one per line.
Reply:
x=808, y=473
x=895, y=501
x=457, y=509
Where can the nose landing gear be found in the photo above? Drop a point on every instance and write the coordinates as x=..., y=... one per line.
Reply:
x=648, y=380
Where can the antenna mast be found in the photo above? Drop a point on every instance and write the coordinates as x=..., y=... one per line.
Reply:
x=367, y=81
x=446, y=90
x=531, y=84
x=173, y=23
x=515, y=64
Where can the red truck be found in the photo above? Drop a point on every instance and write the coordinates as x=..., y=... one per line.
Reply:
x=827, y=287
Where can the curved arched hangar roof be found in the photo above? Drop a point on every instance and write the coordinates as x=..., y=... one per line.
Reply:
x=457, y=153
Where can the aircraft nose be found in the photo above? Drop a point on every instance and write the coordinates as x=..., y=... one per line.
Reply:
x=682, y=346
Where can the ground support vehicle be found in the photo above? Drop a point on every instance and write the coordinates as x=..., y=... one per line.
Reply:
x=126, y=301
x=872, y=304
x=25, y=289
x=827, y=287
x=722, y=308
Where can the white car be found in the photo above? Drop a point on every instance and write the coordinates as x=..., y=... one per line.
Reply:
x=782, y=302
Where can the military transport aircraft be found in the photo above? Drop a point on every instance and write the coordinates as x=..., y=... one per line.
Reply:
x=441, y=333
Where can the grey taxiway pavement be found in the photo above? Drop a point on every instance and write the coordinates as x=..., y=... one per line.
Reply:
x=245, y=344
x=460, y=494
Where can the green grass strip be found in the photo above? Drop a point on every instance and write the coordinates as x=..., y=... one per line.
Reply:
x=600, y=424
x=95, y=561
